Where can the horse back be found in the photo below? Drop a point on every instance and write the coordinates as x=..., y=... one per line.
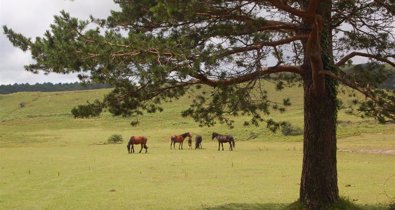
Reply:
x=177, y=138
x=138, y=140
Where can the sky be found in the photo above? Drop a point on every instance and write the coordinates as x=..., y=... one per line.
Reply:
x=32, y=18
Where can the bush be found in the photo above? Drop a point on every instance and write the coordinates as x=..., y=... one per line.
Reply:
x=115, y=139
x=289, y=130
x=22, y=105
x=86, y=111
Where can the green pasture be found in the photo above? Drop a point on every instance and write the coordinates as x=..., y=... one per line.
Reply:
x=49, y=160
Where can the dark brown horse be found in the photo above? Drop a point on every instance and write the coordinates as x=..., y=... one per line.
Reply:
x=198, y=142
x=179, y=139
x=142, y=140
x=224, y=138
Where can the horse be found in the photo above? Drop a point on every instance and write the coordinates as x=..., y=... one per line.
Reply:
x=198, y=142
x=179, y=139
x=224, y=138
x=142, y=140
x=190, y=143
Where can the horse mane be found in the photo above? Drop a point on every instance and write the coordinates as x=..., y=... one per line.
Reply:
x=185, y=134
x=215, y=134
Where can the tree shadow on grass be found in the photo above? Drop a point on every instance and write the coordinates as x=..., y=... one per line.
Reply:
x=248, y=206
x=277, y=206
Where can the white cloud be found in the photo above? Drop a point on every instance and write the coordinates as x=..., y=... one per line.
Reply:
x=32, y=18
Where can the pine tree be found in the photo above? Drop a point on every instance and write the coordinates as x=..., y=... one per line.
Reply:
x=155, y=51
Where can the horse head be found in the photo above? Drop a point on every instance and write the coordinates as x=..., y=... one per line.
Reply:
x=187, y=134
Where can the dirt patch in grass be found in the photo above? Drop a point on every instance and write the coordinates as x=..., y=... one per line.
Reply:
x=370, y=151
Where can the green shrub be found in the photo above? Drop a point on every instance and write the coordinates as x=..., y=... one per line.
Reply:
x=115, y=139
x=289, y=130
x=22, y=104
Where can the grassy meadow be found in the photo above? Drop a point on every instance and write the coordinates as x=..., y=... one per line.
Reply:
x=49, y=160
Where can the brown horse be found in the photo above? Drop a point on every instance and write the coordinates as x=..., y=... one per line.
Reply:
x=142, y=140
x=179, y=139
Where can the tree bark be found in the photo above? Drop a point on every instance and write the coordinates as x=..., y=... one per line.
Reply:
x=319, y=173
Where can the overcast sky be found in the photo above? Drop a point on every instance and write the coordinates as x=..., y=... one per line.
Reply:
x=32, y=18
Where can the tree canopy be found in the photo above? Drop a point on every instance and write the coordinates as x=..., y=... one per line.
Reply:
x=155, y=51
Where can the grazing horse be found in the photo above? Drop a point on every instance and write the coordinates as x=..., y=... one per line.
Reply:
x=224, y=138
x=198, y=142
x=142, y=140
x=179, y=139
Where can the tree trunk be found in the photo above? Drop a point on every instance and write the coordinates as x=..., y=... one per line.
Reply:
x=319, y=173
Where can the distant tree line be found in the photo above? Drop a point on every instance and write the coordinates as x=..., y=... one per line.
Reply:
x=382, y=75
x=49, y=87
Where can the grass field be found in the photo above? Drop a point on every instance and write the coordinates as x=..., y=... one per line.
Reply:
x=49, y=160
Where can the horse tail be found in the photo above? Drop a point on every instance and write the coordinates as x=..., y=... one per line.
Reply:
x=145, y=143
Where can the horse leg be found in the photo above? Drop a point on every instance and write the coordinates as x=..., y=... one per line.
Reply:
x=230, y=144
x=145, y=147
x=219, y=144
x=141, y=147
x=222, y=144
x=132, y=149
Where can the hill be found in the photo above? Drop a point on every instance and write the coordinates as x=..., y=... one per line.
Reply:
x=40, y=112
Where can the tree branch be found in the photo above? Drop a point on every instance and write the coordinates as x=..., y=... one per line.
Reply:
x=353, y=54
x=384, y=103
x=248, y=77
x=303, y=14
x=343, y=80
x=390, y=8
x=313, y=51
x=259, y=45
